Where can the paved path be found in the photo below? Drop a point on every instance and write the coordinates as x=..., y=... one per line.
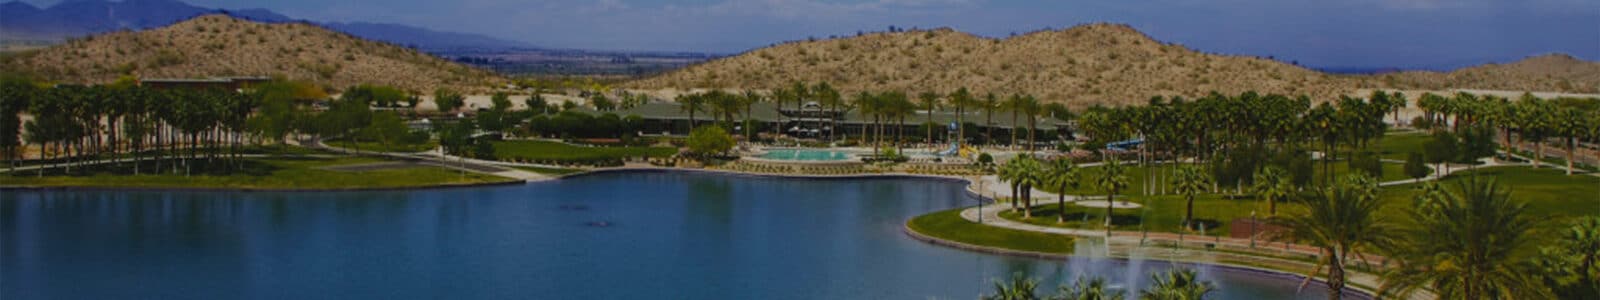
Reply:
x=446, y=161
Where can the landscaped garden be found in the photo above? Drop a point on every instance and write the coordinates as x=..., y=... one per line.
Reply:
x=541, y=151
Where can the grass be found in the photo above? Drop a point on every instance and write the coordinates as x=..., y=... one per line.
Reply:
x=1397, y=146
x=549, y=171
x=1157, y=214
x=949, y=225
x=392, y=147
x=545, y=150
x=256, y=173
x=1549, y=193
x=1136, y=177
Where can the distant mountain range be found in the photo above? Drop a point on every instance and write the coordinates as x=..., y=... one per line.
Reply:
x=1084, y=65
x=79, y=18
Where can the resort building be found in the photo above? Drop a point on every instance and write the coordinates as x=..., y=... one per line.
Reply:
x=813, y=121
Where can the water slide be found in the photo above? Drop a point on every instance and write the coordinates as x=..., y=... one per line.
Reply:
x=954, y=149
x=1124, y=145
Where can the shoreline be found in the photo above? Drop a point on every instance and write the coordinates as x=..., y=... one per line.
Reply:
x=251, y=189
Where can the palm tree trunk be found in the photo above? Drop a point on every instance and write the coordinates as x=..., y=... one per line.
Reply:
x=1336, y=276
x=1571, y=142
x=1061, y=205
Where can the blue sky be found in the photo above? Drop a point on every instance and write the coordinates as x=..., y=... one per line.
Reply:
x=1361, y=33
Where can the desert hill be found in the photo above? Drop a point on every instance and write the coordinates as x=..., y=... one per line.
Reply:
x=219, y=45
x=1082, y=65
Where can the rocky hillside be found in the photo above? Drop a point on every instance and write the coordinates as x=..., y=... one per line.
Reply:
x=1553, y=72
x=1083, y=65
x=219, y=45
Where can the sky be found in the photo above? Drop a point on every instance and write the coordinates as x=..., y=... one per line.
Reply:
x=1318, y=33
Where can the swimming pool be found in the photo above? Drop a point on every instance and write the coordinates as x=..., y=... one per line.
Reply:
x=805, y=155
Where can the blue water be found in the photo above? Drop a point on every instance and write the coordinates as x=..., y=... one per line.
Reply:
x=665, y=235
x=805, y=154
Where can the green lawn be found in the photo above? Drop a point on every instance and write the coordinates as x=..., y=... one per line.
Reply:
x=1550, y=194
x=258, y=173
x=1158, y=214
x=949, y=225
x=544, y=150
x=392, y=147
x=1391, y=171
x=1397, y=146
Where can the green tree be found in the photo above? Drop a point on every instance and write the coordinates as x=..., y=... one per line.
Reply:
x=16, y=94
x=386, y=128
x=1571, y=267
x=1062, y=174
x=1415, y=167
x=691, y=103
x=709, y=140
x=1176, y=284
x=1188, y=181
x=1112, y=180
x=500, y=101
x=1568, y=123
x=1441, y=149
x=1472, y=244
x=1018, y=288
x=1342, y=222
x=448, y=100
x=930, y=102
x=1273, y=184
x=1087, y=289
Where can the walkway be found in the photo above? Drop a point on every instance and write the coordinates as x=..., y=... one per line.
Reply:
x=446, y=161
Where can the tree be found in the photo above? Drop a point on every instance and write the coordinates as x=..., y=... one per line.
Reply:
x=1342, y=222
x=1572, y=265
x=990, y=103
x=1533, y=124
x=1061, y=174
x=1568, y=123
x=535, y=102
x=961, y=100
x=1029, y=173
x=691, y=103
x=1111, y=180
x=500, y=101
x=1415, y=167
x=1090, y=289
x=448, y=100
x=1441, y=149
x=1273, y=184
x=709, y=140
x=1472, y=244
x=16, y=94
x=386, y=128
x=930, y=102
x=1176, y=284
x=1018, y=288
x=1188, y=181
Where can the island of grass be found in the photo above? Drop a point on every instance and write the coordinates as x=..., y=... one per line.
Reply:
x=548, y=151
x=1548, y=192
x=257, y=173
x=949, y=226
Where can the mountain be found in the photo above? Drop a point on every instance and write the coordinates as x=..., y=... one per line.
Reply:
x=222, y=45
x=1081, y=66
x=1549, y=72
x=19, y=20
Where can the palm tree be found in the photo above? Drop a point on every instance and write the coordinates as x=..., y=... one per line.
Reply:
x=1030, y=174
x=1568, y=123
x=1176, y=284
x=1014, y=104
x=691, y=103
x=1010, y=172
x=1091, y=289
x=1111, y=180
x=930, y=102
x=1533, y=123
x=748, y=101
x=1030, y=106
x=961, y=100
x=1272, y=184
x=1473, y=244
x=1018, y=288
x=1342, y=222
x=1063, y=173
x=1188, y=181
x=990, y=103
